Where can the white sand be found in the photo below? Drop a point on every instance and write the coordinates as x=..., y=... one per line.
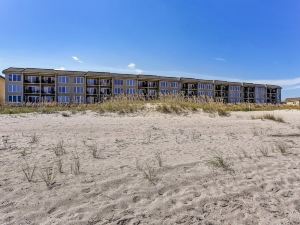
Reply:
x=111, y=190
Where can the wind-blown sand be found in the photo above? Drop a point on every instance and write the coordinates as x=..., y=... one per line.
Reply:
x=187, y=189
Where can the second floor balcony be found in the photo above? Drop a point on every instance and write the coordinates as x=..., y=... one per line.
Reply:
x=48, y=80
x=31, y=90
x=32, y=80
x=92, y=82
x=91, y=91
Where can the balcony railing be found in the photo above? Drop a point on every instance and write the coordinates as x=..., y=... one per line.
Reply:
x=92, y=82
x=153, y=85
x=92, y=92
x=30, y=91
x=143, y=84
x=32, y=81
x=105, y=82
x=48, y=81
x=52, y=92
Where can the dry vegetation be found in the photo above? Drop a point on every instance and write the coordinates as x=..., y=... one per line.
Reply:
x=165, y=104
x=269, y=116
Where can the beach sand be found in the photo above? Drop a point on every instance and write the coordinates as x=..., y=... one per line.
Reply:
x=259, y=184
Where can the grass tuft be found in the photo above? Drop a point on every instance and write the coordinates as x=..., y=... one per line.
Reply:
x=48, y=175
x=29, y=172
x=75, y=166
x=158, y=158
x=264, y=151
x=59, y=149
x=282, y=148
x=269, y=116
x=221, y=163
x=34, y=139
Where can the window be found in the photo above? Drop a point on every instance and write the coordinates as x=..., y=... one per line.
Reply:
x=48, y=90
x=164, y=91
x=175, y=92
x=63, y=99
x=130, y=83
x=152, y=84
x=48, y=99
x=105, y=91
x=79, y=80
x=152, y=92
x=32, y=79
x=105, y=82
x=63, y=79
x=14, y=98
x=130, y=91
x=14, y=77
x=32, y=89
x=32, y=99
x=92, y=81
x=14, y=88
x=62, y=89
x=142, y=92
x=163, y=84
x=118, y=82
x=91, y=91
x=78, y=90
x=91, y=99
x=78, y=99
x=118, y=91
x=174, y=84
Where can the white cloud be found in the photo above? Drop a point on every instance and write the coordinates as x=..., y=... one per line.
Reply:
x=138, y=71
x=220, y=59
x=75, y=58
x=131, y=66
x=61, y=68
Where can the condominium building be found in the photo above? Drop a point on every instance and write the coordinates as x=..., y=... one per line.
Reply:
x=2, y=90
x=293, y=101
x=25, y=85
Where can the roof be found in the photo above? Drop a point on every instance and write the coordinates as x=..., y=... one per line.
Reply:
x=292, y=99
x=2, y=77
x=138, y=76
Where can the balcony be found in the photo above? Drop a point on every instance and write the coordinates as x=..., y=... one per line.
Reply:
x=105, y=82
x=104, y=91
x=189, y=86
x=92, y=92
x=48, y=80
x=48, y=92
x=31, y=91
x=192, y=86
x=153, y=84
x=143, y=84
x=92, y=82
x=32, y=81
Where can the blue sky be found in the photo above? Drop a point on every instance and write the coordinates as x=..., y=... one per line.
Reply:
x=247, y=40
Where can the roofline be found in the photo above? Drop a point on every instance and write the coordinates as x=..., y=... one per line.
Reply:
x=138, y=76
x=291, y=99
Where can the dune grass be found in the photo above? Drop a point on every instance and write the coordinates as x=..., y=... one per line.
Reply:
x=165, y=104
x=269, y=116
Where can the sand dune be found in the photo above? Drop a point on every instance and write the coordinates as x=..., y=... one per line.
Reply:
x=259, y=184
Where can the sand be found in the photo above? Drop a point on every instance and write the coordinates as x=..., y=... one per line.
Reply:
x=261, y=184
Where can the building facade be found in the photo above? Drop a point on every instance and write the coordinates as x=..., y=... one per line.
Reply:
x=293, y=101
x=2, y=90
x=24, y=85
